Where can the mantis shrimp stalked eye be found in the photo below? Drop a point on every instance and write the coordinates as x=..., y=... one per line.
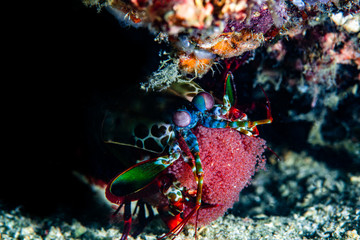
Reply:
x=203, y=101
x=182, y=118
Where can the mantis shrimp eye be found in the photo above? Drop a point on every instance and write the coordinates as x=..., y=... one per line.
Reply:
x=181, y=118
x=203, y=101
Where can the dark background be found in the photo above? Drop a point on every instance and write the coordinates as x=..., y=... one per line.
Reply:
x=69, y=63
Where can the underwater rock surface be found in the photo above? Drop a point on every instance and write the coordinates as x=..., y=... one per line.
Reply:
x=296, y=198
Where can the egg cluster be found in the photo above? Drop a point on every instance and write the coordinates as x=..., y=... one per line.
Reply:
x=229, y=160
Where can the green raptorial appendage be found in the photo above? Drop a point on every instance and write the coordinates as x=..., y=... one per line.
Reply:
x=229, y=89
x=136, y=178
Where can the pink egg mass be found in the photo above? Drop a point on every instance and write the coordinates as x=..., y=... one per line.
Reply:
x=229, y=160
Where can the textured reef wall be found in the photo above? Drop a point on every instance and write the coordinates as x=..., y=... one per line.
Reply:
x=306, y=56
x=307, y=49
